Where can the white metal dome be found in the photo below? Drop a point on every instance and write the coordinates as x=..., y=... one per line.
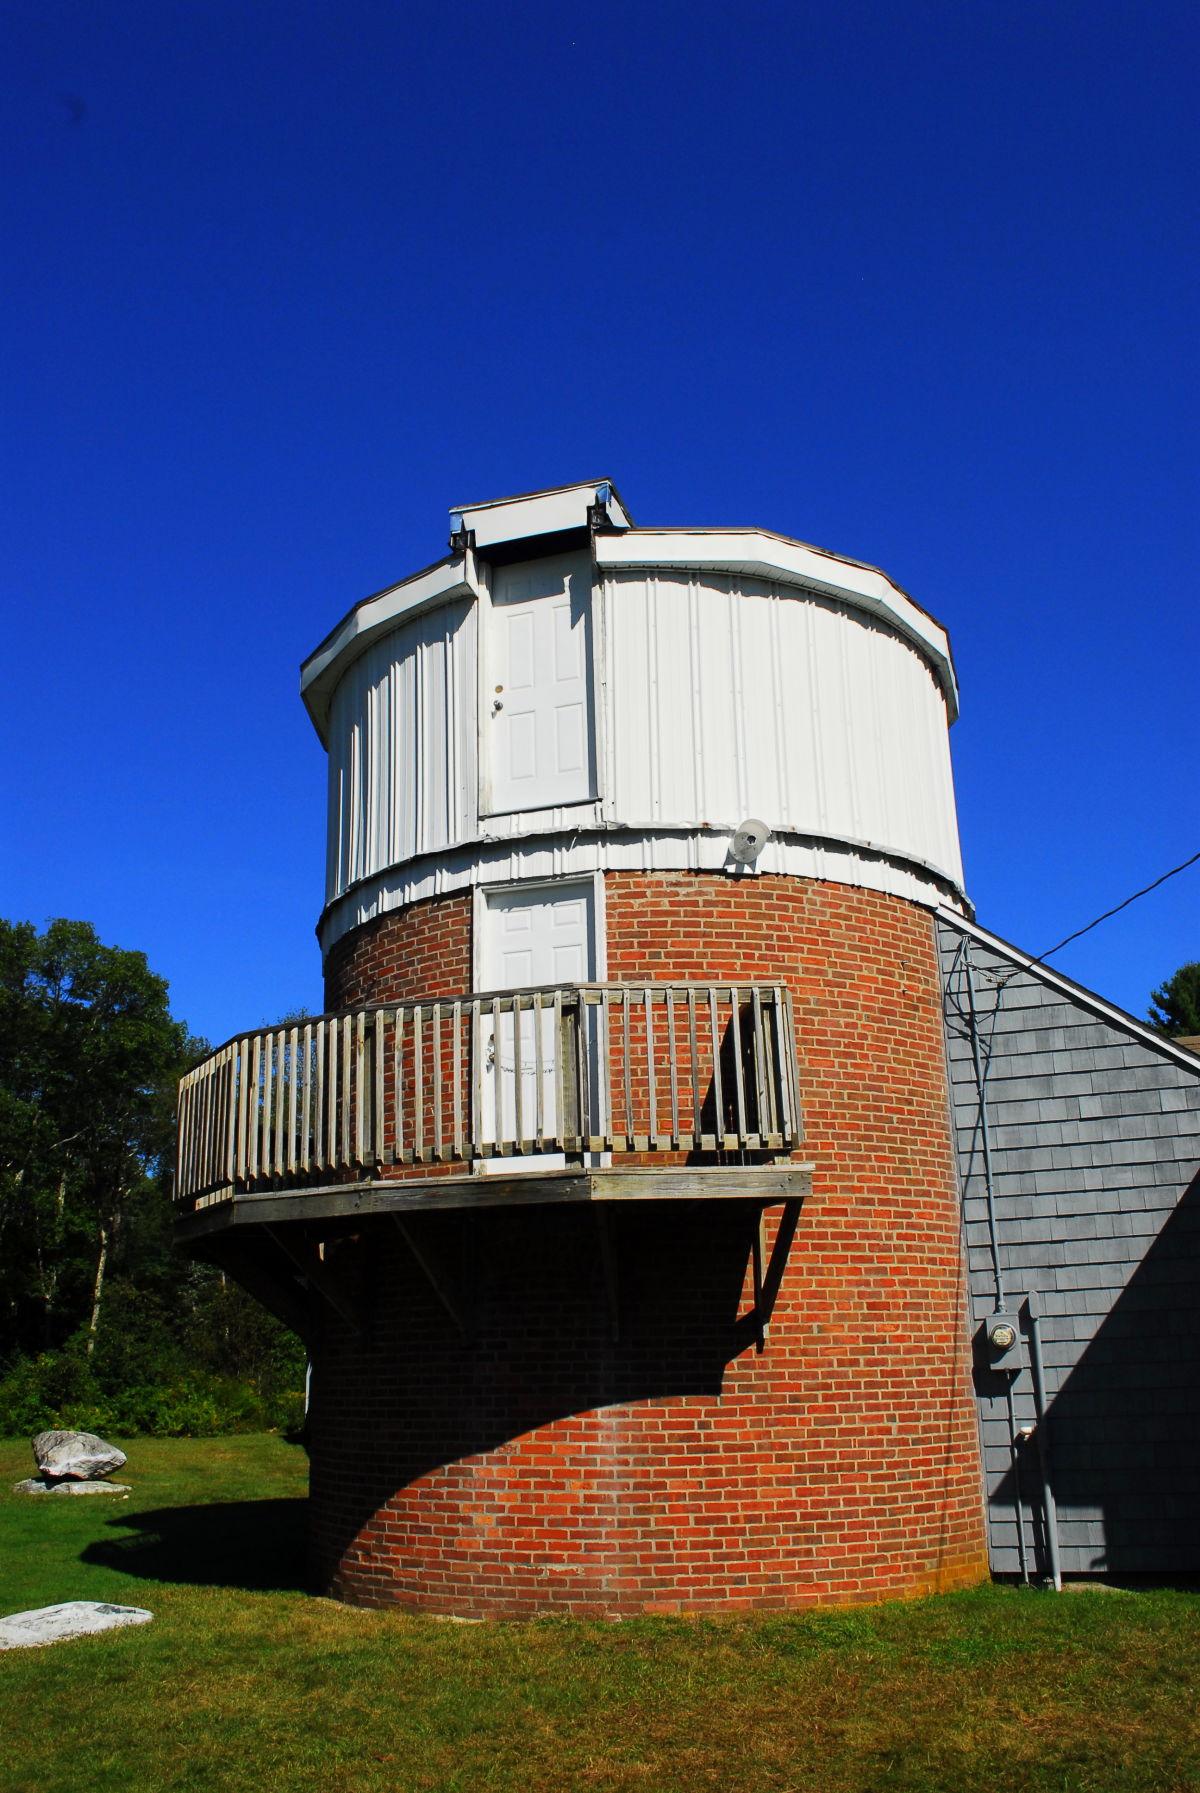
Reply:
x=568, y=694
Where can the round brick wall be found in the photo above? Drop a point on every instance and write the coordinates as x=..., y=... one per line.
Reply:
x=544, y=1465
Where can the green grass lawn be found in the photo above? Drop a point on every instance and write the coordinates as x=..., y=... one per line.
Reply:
x=244, y=1682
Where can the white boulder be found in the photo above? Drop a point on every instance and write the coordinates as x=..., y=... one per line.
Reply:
x=80, y=1455
x=74, y=1618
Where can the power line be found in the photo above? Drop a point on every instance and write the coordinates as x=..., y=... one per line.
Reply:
x=1129, y=899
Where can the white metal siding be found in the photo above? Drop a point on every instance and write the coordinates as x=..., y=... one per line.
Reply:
x=402, y=747
x=732, y=697
x=538, y=860
x=720, y=696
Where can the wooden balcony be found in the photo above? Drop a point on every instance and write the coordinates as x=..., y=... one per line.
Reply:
x=406, y=1103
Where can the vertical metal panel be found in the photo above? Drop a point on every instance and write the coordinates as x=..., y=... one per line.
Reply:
x=730, y=697
x=402, y=747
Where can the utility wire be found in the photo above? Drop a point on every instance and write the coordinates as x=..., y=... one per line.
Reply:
x=1040, y=958
x=1129, y=899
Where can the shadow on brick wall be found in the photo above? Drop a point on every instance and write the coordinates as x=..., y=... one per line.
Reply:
x=562, y=1321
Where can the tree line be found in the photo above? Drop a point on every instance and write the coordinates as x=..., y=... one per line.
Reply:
x=103, y=1323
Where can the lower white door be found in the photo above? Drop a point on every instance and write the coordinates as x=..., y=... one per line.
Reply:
x=533, y=938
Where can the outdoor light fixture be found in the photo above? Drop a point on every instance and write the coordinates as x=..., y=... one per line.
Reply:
x=748, y=841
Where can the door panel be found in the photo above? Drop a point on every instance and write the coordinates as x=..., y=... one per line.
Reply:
x=540, y=721
x=532, y=939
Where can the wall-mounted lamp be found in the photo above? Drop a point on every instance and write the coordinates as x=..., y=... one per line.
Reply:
x=750, y=837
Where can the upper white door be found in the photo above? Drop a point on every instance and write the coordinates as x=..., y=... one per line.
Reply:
x=538, y=709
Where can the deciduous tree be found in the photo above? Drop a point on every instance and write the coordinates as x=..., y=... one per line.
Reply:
x=89, y=1058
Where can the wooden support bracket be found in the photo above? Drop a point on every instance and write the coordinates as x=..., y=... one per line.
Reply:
x=436, y=1274
x=280, y=1295
x=319, y=1276
x=768, y=1274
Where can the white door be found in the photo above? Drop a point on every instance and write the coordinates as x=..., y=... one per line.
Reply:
x=538, y=709
x=533, y=939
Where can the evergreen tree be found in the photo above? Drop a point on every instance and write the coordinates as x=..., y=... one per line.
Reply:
x=1175, y=1005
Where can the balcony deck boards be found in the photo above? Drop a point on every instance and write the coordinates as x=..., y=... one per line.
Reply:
x=765, y=1184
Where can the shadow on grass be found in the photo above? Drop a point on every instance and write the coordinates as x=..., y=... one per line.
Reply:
x=258, y=1545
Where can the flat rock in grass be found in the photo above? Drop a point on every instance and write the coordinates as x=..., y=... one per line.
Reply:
x=78, y=1455
x=75, y=1618
x=35, y=1485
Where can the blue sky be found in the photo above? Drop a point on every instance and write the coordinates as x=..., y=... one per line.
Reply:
x=913, y=282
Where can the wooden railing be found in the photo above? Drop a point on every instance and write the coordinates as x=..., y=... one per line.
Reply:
x=581, y=1069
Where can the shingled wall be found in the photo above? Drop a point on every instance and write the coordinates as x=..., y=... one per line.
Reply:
x=1095, y=1132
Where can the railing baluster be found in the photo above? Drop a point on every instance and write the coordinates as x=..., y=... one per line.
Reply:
x=344, y=1159
x=229, y=1144
x=187, y=1168
x=627, y=1069
x=694, y=1137
x=318, y=1104
x=359, y=1081
x=201, y=1123
x=790, y=1075
x=266, y=1106
x=293, y=1096
x=189, y=1175
x=714, y=1020
x=333, y=1038
x=518, y=1076
x=256, y=1098
x=651, y=1078
x=560, y=1081
x=478, y=1070
x=539, y=1069
x=184, y=1186
x=735, y=1027
x=306, y=1156
x=375, y=1143
x=280, y=1107
x=762, y=1117
x=497, y=1082
x=398, y=1144
x=457, y=1013
x=604, y=1056
x=220, y=1136
x=436, y=1022
x=672, y=1059
x=418, y=1047
x=267, y=1111
x=244, y=1057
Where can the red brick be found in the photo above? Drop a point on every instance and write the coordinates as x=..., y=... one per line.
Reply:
x=544, y=1468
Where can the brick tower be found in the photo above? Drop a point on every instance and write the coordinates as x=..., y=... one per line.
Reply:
x=615, y=1193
